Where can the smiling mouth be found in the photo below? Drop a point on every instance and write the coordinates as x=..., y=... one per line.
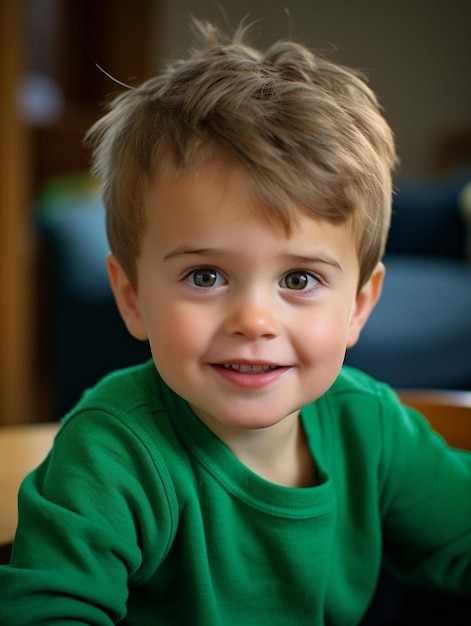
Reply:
x=246, y=368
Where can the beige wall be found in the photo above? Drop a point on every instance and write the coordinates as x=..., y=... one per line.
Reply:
x=417, y=53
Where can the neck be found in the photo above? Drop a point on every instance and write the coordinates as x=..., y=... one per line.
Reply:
x=280, y=453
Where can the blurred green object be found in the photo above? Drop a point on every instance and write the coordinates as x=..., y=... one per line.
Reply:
x=57, y=193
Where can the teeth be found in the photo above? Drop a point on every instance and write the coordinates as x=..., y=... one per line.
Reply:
x=245, y=368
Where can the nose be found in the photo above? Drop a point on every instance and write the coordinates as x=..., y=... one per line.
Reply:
x=252, y=320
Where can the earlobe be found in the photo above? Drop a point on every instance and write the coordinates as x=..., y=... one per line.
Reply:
x=365, y=302
x=126, y=298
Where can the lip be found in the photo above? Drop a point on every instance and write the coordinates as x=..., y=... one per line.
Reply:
x=256, y=378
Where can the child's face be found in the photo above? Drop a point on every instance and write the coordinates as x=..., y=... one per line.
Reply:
x=245, y=322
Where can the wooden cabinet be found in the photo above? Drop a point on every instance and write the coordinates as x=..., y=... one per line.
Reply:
x=75, y=34
x=15, y=244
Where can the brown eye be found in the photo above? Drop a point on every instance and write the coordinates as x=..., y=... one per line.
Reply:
x=296, y=280
x=206, y=278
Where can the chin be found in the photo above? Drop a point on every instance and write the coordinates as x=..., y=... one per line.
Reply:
x=256, y=421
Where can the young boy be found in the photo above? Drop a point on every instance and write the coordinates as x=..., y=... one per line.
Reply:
x=242, y=476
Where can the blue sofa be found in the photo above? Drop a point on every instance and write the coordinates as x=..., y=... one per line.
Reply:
x=419, y=334
x=86, y=337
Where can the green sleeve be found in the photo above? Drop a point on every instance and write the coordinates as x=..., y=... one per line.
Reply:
x=426, y=502
x=87, y=516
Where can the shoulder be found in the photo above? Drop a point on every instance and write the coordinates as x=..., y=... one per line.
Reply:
x=364, y=399
x=355, y=391
x=124, y=389
x=369, y=414
x=118, y=446
x=131, y=404
x=124, y=421
x=362, y=416
x=133, y=399
x=373, y=408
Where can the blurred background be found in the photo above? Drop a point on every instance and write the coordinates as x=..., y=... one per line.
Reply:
x=59, y=330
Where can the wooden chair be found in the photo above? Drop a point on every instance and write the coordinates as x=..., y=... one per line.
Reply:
x=448, y=412
x=22, y=447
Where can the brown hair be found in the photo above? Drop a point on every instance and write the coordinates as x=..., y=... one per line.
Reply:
x=308, y=131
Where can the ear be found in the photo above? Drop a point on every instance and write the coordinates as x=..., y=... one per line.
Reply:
x=365, y=302
x=126, y=298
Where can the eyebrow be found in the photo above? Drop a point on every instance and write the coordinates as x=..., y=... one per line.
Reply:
x=183, y=250
x=315, y=258
x=295, y=259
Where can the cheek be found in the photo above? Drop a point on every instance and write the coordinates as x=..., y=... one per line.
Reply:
x=323, y=335
x=175, y=333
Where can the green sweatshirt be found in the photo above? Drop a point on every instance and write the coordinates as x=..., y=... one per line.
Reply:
x=140, y=515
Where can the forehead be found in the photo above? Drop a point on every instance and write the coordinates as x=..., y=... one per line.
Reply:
x=211, y=167
x=219, y=199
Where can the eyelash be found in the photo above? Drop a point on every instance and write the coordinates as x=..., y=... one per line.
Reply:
x=190, y=277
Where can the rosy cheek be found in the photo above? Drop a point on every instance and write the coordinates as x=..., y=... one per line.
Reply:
x=321, y=335
x=176, y=331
